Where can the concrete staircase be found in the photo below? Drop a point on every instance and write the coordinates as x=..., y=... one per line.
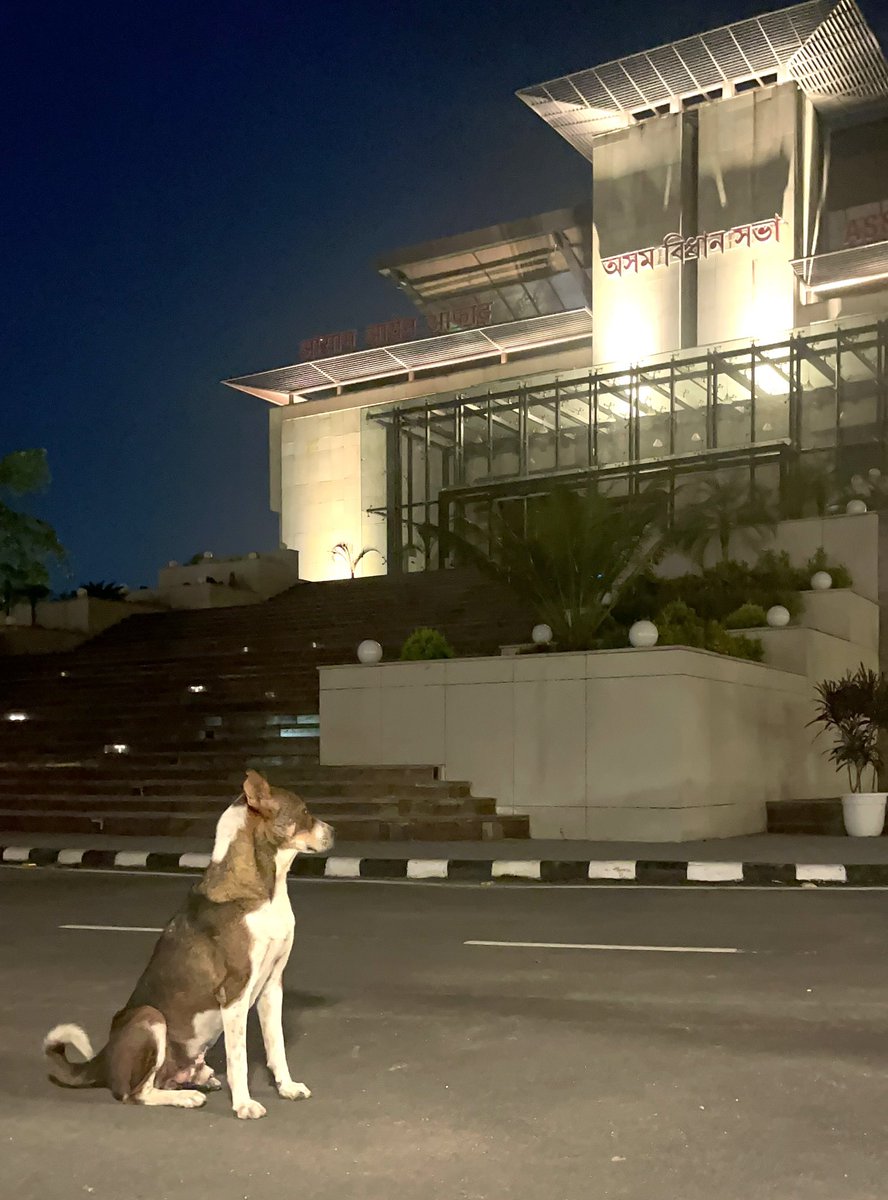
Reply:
x=192, y=698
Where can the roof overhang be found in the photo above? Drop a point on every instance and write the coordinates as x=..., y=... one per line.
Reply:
x=825, y=46
x=286, y=385
x=841, y=270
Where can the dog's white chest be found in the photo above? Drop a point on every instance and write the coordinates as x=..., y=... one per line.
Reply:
x=271, y=932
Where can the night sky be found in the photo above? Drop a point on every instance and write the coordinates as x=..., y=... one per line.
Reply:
x=190, y=188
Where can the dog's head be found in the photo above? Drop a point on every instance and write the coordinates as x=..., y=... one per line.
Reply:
x=287, y=823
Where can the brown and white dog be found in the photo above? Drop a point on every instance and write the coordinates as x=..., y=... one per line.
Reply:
x=223, y=952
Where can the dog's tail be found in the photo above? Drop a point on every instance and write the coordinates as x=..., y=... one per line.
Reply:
x=61, y=1069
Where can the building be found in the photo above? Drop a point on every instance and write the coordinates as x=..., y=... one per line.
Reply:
x=721, y=302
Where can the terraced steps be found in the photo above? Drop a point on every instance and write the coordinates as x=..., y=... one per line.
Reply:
x=186, y=749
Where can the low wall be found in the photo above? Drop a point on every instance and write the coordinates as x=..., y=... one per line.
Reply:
x=657, y=745
x=265, y=575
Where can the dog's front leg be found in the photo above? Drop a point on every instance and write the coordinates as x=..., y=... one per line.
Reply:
x=270, y=1006
x=234, y=1025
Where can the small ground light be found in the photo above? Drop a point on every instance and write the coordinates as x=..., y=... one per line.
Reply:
x=63, y=674
x=245, y=649
x=271, y=695
x=196, y=687
x=117, y=748
x=16, y=716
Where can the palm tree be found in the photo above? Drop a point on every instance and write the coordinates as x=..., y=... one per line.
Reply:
x=807, y=488
x=344, y=553
x=720, y=508
x=26, y=543
x=569, y=555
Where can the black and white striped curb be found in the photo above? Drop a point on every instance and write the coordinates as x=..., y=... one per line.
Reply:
x=496, y=870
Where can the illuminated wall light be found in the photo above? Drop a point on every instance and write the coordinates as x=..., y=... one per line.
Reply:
x=245, y=649
x=196, y=687
x=16, y=716
x=117, y=748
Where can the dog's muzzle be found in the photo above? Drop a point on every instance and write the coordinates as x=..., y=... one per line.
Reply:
x=322, y=836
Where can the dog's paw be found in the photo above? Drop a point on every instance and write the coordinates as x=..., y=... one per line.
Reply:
x=293, y=1091
x=251, y=1111
x=213, y=1084
x=187, y=1098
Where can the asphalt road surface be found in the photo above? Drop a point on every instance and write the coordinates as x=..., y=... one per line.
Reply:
x=754, y=1069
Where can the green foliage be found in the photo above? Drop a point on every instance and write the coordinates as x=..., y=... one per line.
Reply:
x=570, y=556
x=426, y=644
x=27, y=544
x=720, y=591
x=719, y=509
x=818, y=561
x=747, y=616
x=854, y=709
x=679, y=625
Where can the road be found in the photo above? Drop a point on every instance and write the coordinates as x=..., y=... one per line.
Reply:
x=489, y=1072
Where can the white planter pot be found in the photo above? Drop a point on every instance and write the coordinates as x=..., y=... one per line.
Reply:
x=864, y=813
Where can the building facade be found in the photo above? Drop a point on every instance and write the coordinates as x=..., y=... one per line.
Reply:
x=720, y=302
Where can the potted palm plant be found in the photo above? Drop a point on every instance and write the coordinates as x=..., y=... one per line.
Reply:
x=854, y=709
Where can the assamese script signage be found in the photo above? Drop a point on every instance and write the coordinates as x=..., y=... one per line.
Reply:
x=677, y=249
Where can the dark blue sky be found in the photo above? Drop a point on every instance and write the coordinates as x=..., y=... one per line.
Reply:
x=190, y=188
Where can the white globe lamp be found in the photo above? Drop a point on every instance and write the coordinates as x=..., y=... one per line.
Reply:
x=541, y=635
x=369, y=652
x=778, y=616
x=643, y=634
x=855, y=508
x=821, y=581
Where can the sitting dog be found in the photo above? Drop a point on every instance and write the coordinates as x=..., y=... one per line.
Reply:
x=223, y=952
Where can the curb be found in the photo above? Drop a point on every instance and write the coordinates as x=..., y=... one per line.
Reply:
x=442, y=870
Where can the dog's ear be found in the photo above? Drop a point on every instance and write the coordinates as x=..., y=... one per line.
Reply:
x=259, y=795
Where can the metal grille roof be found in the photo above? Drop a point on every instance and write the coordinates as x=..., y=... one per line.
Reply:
x=825, y=45
x=425, y=354
x=855, y=266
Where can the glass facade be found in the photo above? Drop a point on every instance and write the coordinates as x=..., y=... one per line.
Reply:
x=753, y=408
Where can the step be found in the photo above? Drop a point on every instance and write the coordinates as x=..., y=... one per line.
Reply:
x=806, y=817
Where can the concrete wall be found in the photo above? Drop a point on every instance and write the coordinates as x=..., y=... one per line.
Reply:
x=636, y=202
x=265, y=575
x=661, y=744
x=320, y=476
x=747, y=173
x=80, y=614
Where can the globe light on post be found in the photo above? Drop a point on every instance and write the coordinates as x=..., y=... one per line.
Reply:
x=369, y=652
x=821, y=581
x=643, y=634
x=778, y=616
x=855, y=508
x=541, y=635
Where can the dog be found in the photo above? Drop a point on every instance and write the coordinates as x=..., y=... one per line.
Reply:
x=222, y=953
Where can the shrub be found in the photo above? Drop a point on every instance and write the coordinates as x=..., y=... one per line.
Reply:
x=425, y=644
x=680, y=625
x=841, y=576
x=747, y=616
